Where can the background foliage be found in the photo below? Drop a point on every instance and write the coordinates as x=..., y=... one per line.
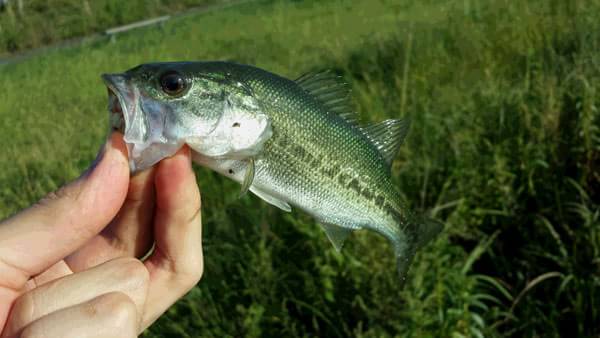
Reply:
x=504, y=149
x=26, y=24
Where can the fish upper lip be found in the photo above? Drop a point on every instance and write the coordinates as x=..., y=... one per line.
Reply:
x=118, y=88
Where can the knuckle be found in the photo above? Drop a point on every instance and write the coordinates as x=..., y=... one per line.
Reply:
x=23, y=310
x=198, y=201
x=120, y=309
x=196, y=216
x=132, y=270
x=195, y=274
x=33, y=332
x=188, y=276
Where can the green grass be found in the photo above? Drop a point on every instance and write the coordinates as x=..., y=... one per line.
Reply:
x=504, y=148
x=38, y=23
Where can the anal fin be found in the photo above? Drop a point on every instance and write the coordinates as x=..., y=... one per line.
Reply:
x=271, y=200
x=336, y=234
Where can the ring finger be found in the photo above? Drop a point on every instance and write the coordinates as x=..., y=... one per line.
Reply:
x=109, y=315
x=126, y=275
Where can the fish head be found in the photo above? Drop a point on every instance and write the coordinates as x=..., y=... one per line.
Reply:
x=160, y=107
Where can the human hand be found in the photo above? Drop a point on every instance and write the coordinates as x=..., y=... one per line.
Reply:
x=68, y=264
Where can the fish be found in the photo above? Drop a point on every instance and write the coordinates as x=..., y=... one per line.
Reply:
x=292, y=143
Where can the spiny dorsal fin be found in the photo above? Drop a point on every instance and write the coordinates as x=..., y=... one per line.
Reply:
x=331, y=91
x=387, y=136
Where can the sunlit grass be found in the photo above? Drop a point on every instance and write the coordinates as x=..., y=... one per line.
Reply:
x=504, y=148
x=38, y=23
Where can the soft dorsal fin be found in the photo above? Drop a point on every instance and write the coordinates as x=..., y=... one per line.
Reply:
x=331, y=91
x=387, y=136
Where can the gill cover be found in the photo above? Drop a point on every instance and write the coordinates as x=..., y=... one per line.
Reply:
x=241, y=131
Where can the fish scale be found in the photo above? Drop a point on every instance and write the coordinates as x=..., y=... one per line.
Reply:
x=297, y=143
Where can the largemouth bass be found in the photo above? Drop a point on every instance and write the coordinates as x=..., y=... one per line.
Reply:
x=291, y=143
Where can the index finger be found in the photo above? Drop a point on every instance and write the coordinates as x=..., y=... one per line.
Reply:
x=43, y=234
x=176, y=264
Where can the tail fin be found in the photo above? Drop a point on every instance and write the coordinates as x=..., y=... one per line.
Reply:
x=428, y=230
x=425, y=230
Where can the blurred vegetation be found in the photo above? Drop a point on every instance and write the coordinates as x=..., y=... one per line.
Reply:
x=504, y=148
x=26, y=24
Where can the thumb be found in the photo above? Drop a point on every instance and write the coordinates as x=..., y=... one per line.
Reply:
x=38, y=237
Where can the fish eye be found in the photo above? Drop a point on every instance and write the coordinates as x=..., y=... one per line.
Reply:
x=173, y=83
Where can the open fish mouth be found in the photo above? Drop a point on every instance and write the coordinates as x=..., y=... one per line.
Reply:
x=126, y=117
x=115, y=109
x=122, y=101
x=142, y=133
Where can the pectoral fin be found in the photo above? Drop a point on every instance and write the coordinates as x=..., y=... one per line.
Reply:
x=336, y=234
x=248, y=177
x=271, y=200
